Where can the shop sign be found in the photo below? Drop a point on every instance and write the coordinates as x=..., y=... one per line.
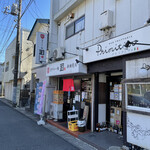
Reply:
x=138, y=68
x=66, y=67
x=41, y=48
x=138, y=130
x=116, y=46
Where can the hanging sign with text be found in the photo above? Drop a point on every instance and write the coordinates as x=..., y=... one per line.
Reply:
x=116, y=46
x=41, y=47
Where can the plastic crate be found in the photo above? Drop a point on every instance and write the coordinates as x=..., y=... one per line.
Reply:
x=72, y=125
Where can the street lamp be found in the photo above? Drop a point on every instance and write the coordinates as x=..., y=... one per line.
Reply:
x=128, y=43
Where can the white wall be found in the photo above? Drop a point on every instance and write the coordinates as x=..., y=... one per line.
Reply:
x=10, y=52
x=127, y=15
x=26, y=57
x=25, y=63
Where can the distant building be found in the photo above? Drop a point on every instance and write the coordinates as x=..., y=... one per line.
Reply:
x=24, y=66
x=38, y=71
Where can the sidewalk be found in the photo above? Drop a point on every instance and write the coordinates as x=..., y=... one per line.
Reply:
x=87, y=141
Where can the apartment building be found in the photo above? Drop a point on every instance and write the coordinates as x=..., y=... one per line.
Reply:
x=24, y=66
x=103, y=46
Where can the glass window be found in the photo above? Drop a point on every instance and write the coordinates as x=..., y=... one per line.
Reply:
x=79, y=24
x=75, y=27
x=70, y=30
x=7, y=67
x=138, y=95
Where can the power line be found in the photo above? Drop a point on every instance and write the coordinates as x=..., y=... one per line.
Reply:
x=5, y=44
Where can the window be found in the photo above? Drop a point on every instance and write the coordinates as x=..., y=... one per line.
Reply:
x=138, y=95
x=79, y=24
x=7, y=67
x=75, y=27
x=70, y=30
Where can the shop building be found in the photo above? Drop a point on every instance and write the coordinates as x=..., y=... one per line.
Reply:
x=105, y=34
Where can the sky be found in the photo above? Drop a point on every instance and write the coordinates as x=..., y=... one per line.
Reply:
x=37, y=9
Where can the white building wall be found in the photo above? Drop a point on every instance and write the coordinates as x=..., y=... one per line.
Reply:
x=127, y=15
x=9, y=58
x=26, y=58
x=25, y=63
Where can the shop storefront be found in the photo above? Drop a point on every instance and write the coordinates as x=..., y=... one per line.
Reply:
x=73, y=94
x=121, y=91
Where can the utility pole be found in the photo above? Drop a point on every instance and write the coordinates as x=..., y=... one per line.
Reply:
x=17, y=55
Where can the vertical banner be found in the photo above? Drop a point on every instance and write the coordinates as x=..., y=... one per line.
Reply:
x=41, y=47
x=39, y=99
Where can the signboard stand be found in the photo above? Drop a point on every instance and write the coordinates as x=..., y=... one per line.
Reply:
x=41, y=121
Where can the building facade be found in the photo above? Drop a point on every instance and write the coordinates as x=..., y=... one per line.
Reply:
x=38, y=69
x=24, y=70
x=108, y=42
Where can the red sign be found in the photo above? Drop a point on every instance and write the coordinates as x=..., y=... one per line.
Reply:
x=42, y=36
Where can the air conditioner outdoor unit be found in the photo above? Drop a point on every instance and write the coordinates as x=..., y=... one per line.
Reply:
x=58, y=53
x=106, y=20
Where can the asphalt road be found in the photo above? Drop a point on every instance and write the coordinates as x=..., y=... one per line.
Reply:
x=17, y=132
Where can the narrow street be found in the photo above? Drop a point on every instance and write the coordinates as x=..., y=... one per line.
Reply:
x=17, y=132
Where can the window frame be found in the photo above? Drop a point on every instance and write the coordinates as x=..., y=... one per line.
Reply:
x=73, y=29
x=7, y=67
x=74, y=24
x=79, y=19
x=135, y=108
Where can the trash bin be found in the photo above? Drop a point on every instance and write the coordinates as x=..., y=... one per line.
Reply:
x=81, y=125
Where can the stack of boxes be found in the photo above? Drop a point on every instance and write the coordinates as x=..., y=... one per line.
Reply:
x=58, y=97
